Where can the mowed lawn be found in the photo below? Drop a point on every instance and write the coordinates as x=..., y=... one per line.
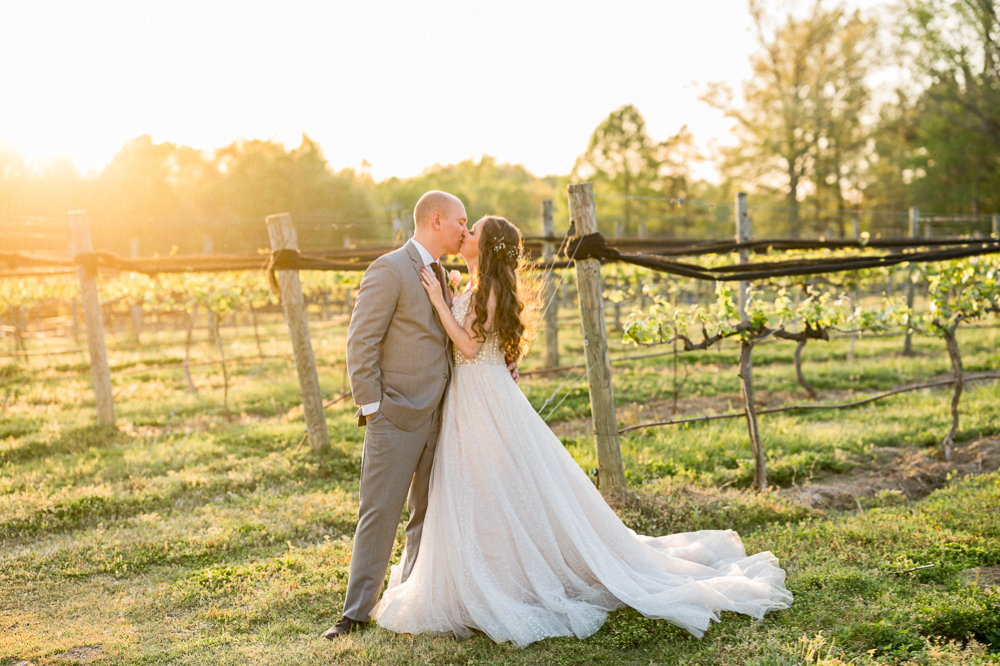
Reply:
x=184, y=537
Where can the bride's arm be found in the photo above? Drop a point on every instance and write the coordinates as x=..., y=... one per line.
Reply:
x=463, y=337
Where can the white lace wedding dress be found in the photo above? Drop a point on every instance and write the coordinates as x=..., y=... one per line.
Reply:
x=519, y=544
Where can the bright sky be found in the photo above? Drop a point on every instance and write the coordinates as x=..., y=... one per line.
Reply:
x=403, y=85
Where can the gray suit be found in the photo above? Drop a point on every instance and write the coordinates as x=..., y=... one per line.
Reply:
x=398, y=355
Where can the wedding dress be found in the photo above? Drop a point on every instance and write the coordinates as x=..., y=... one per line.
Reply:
x=519, y=544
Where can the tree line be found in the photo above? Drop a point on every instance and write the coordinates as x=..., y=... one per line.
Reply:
x=816, y=137
x=174, y=198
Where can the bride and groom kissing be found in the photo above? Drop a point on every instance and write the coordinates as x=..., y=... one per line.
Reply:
x=506, y=533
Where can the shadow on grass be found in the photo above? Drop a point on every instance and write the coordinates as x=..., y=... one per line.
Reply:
x=77, y=440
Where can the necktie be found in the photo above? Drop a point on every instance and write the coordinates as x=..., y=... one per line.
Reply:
x=439, y=272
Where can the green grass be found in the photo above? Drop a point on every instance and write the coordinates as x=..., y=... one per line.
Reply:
x=183, y=537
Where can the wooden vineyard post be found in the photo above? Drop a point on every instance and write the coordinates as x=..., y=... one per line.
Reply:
x=135, y=310
x=856, y=296
x=283, y=237
x=87, y=272
x=207, y=250
x=746, y=390
x=742, y=236
x=996, y=226
x=616, y=306
x=551, y=294
x=642, y=294
x=611, y=473
x=914, y=232
x=743, y=232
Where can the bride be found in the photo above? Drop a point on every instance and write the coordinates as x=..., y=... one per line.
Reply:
x=517, y=542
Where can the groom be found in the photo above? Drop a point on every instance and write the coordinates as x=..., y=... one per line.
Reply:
x=399, y=363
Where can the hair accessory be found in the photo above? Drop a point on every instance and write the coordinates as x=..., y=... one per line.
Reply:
x=500, y=247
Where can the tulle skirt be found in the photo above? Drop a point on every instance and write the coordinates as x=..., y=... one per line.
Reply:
x=519, y=544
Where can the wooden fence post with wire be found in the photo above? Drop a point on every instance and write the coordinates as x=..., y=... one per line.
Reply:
x=87, y=272
x=135, y=310
x=611, y=472
x=551, y=294
x=910, y=289
x=856, y=292
x=207, y=250
x=283, y=237
x=743, y=234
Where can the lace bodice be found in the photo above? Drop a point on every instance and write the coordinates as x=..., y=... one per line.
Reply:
x=489, y=353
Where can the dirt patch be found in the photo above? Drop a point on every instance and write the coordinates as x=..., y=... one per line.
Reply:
x=82, y=653
x=983, y=577
x=897, y=473
x=891, y=474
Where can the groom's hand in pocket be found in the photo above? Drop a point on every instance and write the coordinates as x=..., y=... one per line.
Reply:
x=512, y=368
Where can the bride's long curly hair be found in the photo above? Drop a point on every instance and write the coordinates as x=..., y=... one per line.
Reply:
x=501, y=264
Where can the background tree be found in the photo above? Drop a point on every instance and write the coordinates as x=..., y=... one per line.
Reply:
x=950, y=159
x=621, y=159
x=800, y=127
x=486, y=187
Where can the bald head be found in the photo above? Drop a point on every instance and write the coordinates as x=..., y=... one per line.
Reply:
x=439, y=219
x=435, y=201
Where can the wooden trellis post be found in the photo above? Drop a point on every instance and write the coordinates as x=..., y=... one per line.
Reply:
x=135, y=310
x=551, y=294
x=910, y=290
x=207, y=250
x=996, y=226
x=283, y=237
x=80, y=229
x=856, y=296
x=743, y=236
x=611, y=472
x=743, y=233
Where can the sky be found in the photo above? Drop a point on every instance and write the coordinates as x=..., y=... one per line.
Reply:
x=400, y=85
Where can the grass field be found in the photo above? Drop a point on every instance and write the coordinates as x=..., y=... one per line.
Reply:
x=185, y=537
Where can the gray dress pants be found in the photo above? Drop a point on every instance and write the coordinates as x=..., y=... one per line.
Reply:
x=395, y=467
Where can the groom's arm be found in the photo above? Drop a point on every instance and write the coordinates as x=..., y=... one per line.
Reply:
x=373, y=310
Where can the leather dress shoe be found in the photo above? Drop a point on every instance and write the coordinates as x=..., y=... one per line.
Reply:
x=342, y=628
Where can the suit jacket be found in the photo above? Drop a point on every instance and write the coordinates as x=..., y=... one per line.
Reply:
x=397, y=349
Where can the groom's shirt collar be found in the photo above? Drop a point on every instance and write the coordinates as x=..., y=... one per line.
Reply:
x=425, y=256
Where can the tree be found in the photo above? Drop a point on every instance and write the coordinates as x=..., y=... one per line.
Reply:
x=486, y=187
x=892, y=144
x=958, y=55
x=621, y=159
x=260, y=178
x=952, y=157
x=800, y=127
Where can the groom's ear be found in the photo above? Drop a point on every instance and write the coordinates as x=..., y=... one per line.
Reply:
x=436, y=220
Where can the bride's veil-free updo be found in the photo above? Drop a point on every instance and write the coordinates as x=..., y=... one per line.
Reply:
x=501, y=264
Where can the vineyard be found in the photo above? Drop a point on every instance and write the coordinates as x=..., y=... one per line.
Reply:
x=830, y=400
